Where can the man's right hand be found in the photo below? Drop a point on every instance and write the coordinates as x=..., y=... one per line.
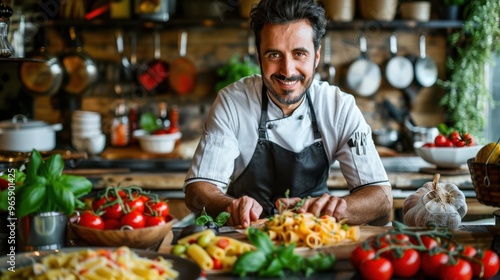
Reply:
x=243, y=211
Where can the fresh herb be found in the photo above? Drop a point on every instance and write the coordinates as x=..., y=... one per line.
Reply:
x=234, y=70
x=46, y=189
x=14, y=177
x=269, y=260
x=204, y=218
x=148, y=122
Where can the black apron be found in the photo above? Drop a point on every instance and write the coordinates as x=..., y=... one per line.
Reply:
x=273, y=169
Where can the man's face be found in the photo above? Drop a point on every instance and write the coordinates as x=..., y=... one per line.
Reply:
x=288, y=60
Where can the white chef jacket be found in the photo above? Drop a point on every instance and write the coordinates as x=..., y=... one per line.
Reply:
x=230, y=134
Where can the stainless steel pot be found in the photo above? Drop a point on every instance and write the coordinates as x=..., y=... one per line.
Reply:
x=23, y=135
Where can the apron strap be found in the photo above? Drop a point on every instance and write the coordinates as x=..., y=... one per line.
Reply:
x=263, y=112
x=314, y=121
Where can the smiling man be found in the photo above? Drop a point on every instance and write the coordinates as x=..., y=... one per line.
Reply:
x=272, y=138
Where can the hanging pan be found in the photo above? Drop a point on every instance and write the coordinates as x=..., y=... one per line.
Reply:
x=363, y=75
x=426, y=71
x=183, y=72
x=153, y=75
x=399, y=69
x=43, y=78
x=81, y=69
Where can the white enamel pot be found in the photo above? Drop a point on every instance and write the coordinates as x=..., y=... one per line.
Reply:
x=23, y=135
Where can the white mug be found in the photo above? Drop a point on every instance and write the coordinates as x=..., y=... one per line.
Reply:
x=95, y=145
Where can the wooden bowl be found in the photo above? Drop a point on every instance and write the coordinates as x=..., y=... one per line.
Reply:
x=143, y=238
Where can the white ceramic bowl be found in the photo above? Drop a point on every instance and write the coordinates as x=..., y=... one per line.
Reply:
x=157, y=144
x=444, y=157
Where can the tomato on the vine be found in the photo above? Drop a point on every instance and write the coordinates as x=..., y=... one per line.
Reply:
x=431, y=263
x=460, y=270
x=133, y=219
x=379, y=269
x=469, y=251
x=112, y=224
x=114, y=211
x=407, y=265
x=154, y=221
x=429, y=242
x=442, y=141
x=135, y=204
x=490, y=261
x=360, y=254
x=158, y=208
x=91, y=220
x=97, y=203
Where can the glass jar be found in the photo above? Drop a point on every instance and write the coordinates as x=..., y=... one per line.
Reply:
x=6, y=49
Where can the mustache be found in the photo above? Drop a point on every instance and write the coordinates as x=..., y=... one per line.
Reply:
x=290, y=79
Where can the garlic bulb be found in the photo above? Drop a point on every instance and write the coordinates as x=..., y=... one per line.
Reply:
x=443, y=204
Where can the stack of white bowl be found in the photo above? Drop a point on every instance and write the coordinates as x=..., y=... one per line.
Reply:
x=86, y=132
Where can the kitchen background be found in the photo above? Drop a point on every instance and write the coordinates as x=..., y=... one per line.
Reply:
x=216, y=32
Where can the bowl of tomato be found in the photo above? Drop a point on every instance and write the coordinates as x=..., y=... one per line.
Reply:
x=447, y=157
x=123, y=216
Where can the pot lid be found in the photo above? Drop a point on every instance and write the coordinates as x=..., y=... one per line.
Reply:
x=21, y=122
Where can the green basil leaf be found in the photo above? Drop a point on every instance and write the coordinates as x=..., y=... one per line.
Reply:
x=64, y=201
x=203, y=219
x=33, y=165
x=274, y=269
x=250, y=262
x=53, y=167
x=148, y=122
x=296, y=263
x=222, y=218
x=78, y=185
x=285, y=255
x=321, y=262
x=31, y=198
x=260, y=240
x=4, y=200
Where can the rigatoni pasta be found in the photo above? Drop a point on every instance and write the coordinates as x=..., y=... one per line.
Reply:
x=305, y=229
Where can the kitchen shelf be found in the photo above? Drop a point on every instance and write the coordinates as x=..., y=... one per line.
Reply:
x=229, y=22
x=19, y=60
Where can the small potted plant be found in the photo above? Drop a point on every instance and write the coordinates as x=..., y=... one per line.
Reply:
x=43, y=202
x=451, y=9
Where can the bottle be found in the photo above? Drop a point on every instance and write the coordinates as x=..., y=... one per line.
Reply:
x=120, y=136
x=174, y=120
x=133, y=119
x=163, y=120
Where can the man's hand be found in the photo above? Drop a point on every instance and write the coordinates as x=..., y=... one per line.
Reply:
x=323, y=205
x=243, y=210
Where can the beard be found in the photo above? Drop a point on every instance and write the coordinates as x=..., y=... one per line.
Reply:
x=287, y=97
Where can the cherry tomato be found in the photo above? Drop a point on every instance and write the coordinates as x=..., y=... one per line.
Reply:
x=469, y=251
x=97, y=203
x=407, y=265
x=134, y=219
x=159, y=208
x=429, y=145
x=217, y=264
x=461, y=270
x=442, y=141
x=359, y=255
x=135, y=204
x=429, y=242
x=112, y=224
x=152, y=221
x=459, y=143
x=379, y=269
x=91, y=220
x=431, y=264
x=114, y=211
x=4, y=184
x=490, y=262
x=469, y=140
x=223, y=243
x=454, y=136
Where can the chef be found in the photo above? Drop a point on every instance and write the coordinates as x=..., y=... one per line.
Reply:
x=269, y=140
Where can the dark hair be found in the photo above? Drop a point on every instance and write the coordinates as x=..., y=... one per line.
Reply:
x=284, y=11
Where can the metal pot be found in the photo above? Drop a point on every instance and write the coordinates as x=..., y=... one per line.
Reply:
x=23, y=135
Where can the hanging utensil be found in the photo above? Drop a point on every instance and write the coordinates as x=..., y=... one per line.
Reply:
x=426, y=71
x=399, y=69
x=153, y=76
x=183, y=72
x=363, y=75
x=43, y=78
x=81, y=69
x=125, y=73
x=329, y=69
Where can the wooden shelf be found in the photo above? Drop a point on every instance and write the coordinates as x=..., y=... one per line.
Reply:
x=18, y=60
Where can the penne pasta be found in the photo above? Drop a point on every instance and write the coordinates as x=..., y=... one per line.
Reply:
x=200, y=256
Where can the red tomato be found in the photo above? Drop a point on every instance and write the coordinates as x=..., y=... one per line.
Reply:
x=112, y=224
x=407, y=265
x=97, y=203
x=469, y=140
x=136, y=204
x=459, y=143
x=490, y=262
x=159, y=208
x=359, y=255
x=4, y=184
x=454, y=136
x=461, y=270
x=429, y=145
x=379, y=269
x=152, y=221
x=442, y=141
x=469, y=251
x=91, y=220
x=114, y=211
x=217, y=264
x=223, y=243
x=429, y=242
x=134, y=219
x=431, y=264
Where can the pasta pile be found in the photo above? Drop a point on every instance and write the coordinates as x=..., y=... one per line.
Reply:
x=305, y=229
x=211, y=252
x=121, y=264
